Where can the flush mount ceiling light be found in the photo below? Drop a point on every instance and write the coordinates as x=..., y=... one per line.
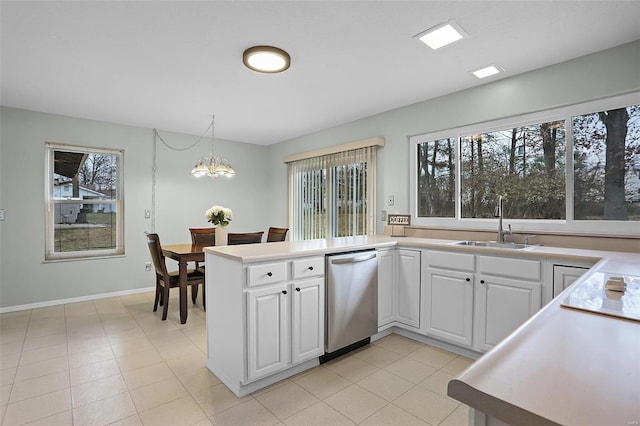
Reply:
x=266, y=59
x=442, y=35
x=486, y=71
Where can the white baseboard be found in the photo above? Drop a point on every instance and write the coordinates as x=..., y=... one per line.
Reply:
x=73, y=300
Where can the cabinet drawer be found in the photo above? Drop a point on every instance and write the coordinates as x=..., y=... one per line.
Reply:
x=269, y=273
x=307, y=268
x=525, y=269
x=450, y=260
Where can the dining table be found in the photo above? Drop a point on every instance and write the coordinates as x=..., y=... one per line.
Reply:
x=184, y=253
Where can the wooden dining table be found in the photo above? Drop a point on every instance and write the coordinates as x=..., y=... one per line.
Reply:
x=184, y=253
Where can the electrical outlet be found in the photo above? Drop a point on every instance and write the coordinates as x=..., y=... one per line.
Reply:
x=1, y=214
x=147, y=266
x=383, y=215
x=390, y=200
x=147, y=214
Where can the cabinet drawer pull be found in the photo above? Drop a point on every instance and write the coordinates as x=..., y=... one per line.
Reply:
x=297, y=288
x=284, y=291
x=481, y=281
x=310, y=268
x=269, y=274
x=468, y=279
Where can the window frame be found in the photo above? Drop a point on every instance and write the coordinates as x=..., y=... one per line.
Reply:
x=580, y=227
x=50, y=255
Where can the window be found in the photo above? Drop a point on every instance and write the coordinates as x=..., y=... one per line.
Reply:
x=84, y=204
x=332, y=195
x=565, y=169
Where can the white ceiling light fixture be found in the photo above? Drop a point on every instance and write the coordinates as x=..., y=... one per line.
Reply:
x=267, y=59
x=442, y=35
x=486, y=71
x=211, y=165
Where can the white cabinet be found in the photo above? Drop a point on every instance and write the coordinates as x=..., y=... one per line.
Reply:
x=564, y=276
x=399, y=287
x=307, y=320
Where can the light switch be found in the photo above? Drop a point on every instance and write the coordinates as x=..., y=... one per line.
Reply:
x=1, y=214
x=147, y=214
x=383, y=215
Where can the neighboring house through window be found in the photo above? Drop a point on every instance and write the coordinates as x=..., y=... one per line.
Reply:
x=84, y=202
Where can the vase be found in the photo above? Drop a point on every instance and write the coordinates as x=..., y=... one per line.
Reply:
x=221, y=236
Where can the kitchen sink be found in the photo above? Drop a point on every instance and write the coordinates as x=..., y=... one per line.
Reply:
x=492, y=244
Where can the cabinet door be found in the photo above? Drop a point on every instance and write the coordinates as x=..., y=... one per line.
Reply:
x=564, y=276
x=502, y=305
x=448, y=306
x=268, y=346
x=407, y=301
x=386, y=279
x=307, y=322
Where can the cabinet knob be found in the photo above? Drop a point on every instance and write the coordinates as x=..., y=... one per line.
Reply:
x=481, y=281
x=468, y=279
x=297, y=288
x=269, y=274
x=311, y=268
x=284, y=291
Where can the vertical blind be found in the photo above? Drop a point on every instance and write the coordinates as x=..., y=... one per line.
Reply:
x=333, y=195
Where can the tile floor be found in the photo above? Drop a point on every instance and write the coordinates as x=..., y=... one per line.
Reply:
x=114, y=362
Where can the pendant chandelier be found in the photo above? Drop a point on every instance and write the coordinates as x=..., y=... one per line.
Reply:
x=211, y=165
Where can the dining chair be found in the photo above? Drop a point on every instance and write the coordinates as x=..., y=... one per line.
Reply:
x=276, y=234
x=166, y=280
x=201, y=237
x=244, y=238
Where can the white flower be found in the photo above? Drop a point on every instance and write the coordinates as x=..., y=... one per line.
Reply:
x=219, y=215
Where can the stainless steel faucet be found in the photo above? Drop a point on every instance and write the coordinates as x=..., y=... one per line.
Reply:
x=498, y=213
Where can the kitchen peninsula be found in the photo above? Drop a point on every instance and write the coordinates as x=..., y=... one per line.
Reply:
x=589, y=357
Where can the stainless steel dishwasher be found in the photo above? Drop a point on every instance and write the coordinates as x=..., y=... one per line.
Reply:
x=351, y=315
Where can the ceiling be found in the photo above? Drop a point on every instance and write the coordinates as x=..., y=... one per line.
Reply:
x=170, y=65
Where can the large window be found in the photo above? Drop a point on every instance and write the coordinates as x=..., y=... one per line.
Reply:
x=84, y=202
x=564, y=170
x=332, y=195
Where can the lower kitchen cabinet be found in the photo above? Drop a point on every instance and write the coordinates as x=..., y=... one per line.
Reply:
x=399, y=287
x=285, y=326
x=386, y=280
x=501, y=306
x=564, y=276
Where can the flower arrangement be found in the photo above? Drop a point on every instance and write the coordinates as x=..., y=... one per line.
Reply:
x=219, y=215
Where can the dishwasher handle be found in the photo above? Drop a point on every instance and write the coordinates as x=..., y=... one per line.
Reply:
x=354, y=259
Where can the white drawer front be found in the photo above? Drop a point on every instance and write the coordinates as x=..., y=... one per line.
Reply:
x=451, y=260
x=269, y=273
x=525, y=269
x=307, y=268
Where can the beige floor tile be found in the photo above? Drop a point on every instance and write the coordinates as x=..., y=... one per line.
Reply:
x=169, y=352
x=13, y=334
x=390, y=415
x=427, y=405
x=61, y=419
x=37, y=408
x=180, y=412
x=322, y=382
x=5, y=393
x=118, y=335
x=95, y=371
x=457, y=365
x=147, y=375
x=286, y=400
x=128, y=421
x=9, y=348
x=86, y=357
x=386, y=385
x=156, y=394
x=187, y=364
x=105, y=411
x=433, y=357
x=48, y=313
x=45, y=328
x=459, y=417
x=7, y=375
x=410, y=369
x=43, y=354
x=96, y=390
x=437, y=382
x=39, y=386
x=198, y=380
x=46, y=341
x=127, y=347
x=378, y=356
x=319, y=414
x=246, y=414
x=42, y=368
x=351, y=368
x=139, y=360
x=10, y=360
x=355, y=403
x=217, y=398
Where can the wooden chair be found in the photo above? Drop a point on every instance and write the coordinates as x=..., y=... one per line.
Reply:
x=166, y=280
x=202, y=237
x=244, y=238
x=277, y=234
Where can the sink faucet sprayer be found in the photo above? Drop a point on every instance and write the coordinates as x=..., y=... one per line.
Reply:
x=498, y=214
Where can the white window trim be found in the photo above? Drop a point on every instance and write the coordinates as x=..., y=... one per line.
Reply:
x=581, y=227
x=50, y=255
